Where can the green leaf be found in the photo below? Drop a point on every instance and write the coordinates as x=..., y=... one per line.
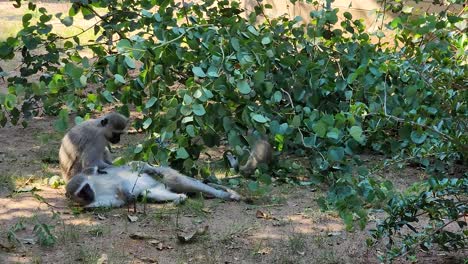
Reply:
x=198, y=72
x=235, y=44
x=252, y=30
x=266, y=40
x=244, y=87
x=67, y=21
x=356, y=133
x=10, y=101
x=130, y=62
x=123, y=46
x=253, y=186
x=260, y=118
x=147, y=123
x=334, y=133
x=61, y=124
x=336, y=154
x=277, y=97
x=188, y=99
x=320, y=128
x=198, y=109
x=212, y=72
x=190, y=130
x=26, y=19
x=418, y=137
x=119, y=79
x=108, y=96
x=138, y=149
x=182, y=153
x=151, y=102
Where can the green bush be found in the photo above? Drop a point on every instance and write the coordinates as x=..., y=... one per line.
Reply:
x=208, y=74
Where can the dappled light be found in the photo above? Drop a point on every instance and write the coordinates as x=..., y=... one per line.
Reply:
x=316, y=131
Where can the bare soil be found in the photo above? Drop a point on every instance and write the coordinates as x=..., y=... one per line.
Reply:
x=284, y=226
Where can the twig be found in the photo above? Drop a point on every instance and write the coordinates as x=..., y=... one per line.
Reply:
x=311, y=147
x=401, y=120
x=185, y=12
x=289, y=96
x=262, y=7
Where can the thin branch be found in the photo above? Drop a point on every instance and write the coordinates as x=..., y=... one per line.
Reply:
x=401, y=120
x=289, y=96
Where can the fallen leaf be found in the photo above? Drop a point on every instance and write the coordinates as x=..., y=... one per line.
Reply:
x=334, y=233
x=264, y=251
x=6, y=248
x=132, y=218
x=139, y=236
x=189, y=237
x=101, y=217
x=207, y=210
x=28, y=241
x=103, y=259
x=27, y=189
x=154, y=242
x=266, y=216
x=148, y=260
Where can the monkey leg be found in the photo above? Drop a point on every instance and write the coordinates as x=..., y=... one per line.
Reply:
x=180, y=183
x=160, y=194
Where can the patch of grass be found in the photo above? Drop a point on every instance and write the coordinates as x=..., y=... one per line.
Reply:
x=7, y=183
x=234, y=230
x=87, y=254
x=11, y=233
x=69, y=233
x=297, y=243
x=99, y=230
x=164, y=214
x=193, y=206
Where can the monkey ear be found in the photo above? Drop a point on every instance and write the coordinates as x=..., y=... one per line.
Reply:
x=104, y=122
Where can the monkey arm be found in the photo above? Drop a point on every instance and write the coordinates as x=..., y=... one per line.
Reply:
x=92, y=158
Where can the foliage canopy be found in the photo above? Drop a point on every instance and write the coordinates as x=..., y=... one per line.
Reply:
x=207, y=74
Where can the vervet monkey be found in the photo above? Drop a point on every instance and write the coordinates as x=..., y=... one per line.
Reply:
x=85, y=145
x=121, y=185
x=261, y=153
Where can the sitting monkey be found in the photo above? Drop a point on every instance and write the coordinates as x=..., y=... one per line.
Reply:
x=86, y=145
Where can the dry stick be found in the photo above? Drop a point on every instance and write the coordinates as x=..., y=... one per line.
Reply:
x=185, y=12
x=289, y=96
x=263, y=13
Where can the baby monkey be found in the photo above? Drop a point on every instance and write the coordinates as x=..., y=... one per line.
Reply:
x=86, y=145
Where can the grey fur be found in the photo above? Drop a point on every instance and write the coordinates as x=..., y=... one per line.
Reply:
x=85, y=145
x=261, y=153
x=122, y=184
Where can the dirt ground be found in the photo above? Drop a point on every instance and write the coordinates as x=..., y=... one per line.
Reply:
x=285, y=226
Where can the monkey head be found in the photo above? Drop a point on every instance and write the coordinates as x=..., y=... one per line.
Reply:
x=114, y=125
x=79, y=190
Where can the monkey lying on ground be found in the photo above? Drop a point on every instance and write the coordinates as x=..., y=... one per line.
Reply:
x=121, y=185
x=85, y=145
x=261, y=153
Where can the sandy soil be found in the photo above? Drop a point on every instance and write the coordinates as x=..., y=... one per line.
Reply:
x=285, y=226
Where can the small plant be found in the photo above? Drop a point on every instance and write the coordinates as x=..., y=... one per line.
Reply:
x=297, y=243
x=443, y=203
x=11, y=233
x=43, y=233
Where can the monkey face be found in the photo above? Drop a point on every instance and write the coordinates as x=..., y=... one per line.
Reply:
x=115, y=138
x=84, y=196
